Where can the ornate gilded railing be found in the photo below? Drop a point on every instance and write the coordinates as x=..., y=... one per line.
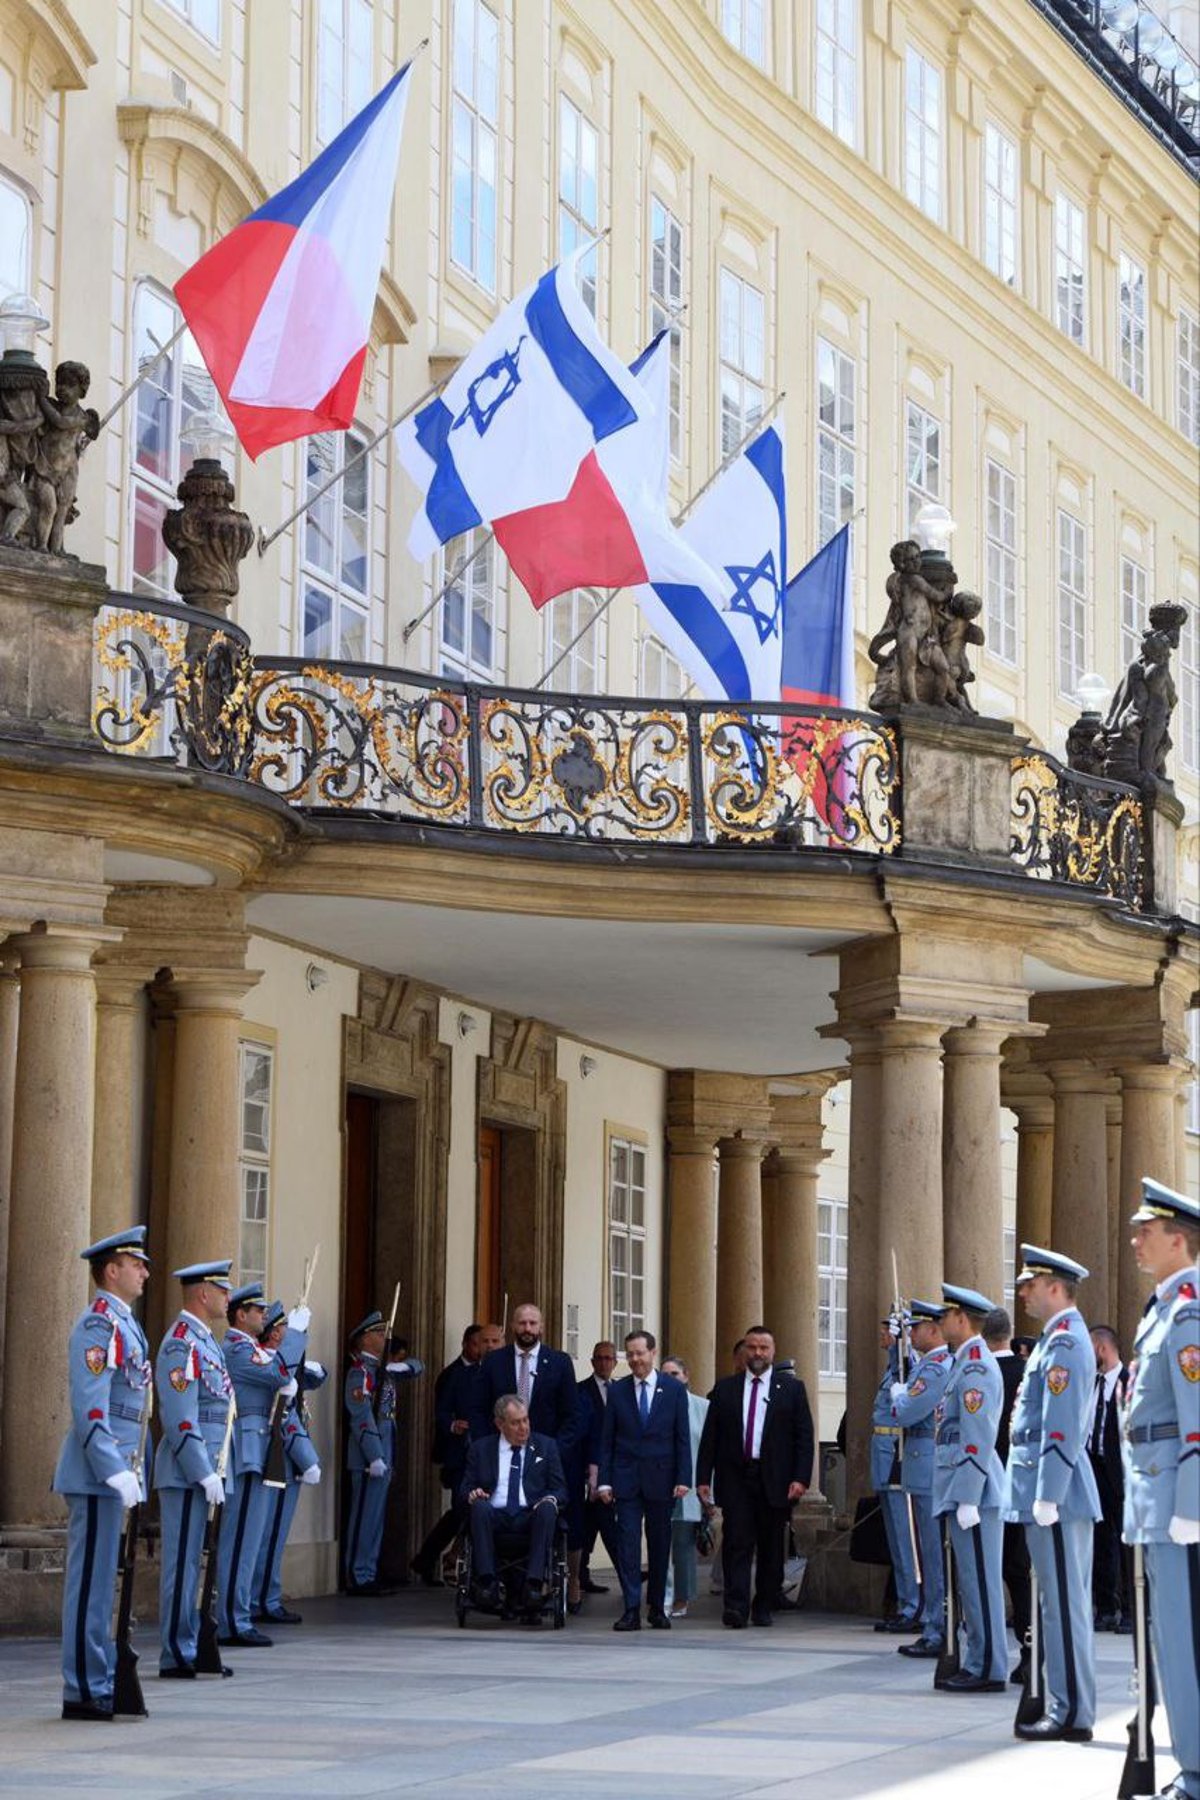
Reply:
x=172, y=683
x=1078, y=829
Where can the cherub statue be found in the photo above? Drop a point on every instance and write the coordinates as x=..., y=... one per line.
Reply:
x=19, y=423
x=912, y=620
x=958, y=630
x=67, y=425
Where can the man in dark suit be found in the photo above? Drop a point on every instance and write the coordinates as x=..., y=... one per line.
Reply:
x=512, y=1484
x=451, y=1436
x=1014, y=1555
x=543, y=1378
x=758, y=1444
x=645, y=1466
x=596, y=1519
x=1110, y=1590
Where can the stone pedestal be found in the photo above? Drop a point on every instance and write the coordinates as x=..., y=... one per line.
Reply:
x=205, y=1204
x=692, y=1261
x=957, y=784
x=739, y=1241
x=48, y=606
x=1080, y=1196
x=972, y=1199
x=115, y=1201
x=1148, y=1110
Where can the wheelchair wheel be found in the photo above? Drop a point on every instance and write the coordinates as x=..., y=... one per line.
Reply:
x=461, y=1607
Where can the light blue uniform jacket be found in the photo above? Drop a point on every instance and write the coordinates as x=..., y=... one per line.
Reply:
x=108, y=1362
x=1162, y=1415
x=194, y=1391
x=1051, y=1420
x=967, y=1470
x=914, y=1409
x=257, y=1375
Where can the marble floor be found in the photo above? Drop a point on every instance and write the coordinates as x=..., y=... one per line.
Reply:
x=372, y=1698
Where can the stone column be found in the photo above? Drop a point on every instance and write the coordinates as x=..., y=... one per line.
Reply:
x=205, y=1208
x=50, y=1207
x=1117, y=1215
x=910, y=1159
x=1080, y=1196
x=739, y=1241
x=692, y=1263
x=115, y=1203
x=790, y=1295
x=863, y=1366
x=972, y=1197
x=1148, y=1110
x=10, y=1008
x=160, y=1295
x=1035, y=1180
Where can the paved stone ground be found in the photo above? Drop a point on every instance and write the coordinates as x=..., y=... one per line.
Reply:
x=373, y=1698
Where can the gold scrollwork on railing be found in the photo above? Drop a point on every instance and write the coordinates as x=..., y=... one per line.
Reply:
x=801, y=778
x=1078, y=829
x=583, y=769
x=172, y=685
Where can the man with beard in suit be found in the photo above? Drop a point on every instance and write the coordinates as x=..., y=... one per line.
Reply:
x=544, y=1380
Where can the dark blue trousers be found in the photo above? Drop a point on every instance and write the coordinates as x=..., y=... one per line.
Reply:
x=634, y=1512
x=89, y=1655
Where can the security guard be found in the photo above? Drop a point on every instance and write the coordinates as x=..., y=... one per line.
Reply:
x=370, y=1394
x=914, y=1403
x=885, y=1479
x=258, y=1375
x=1162, y=1459
x=969, y=1491
x=194, y=1400
x=108, y=1362
x=1052, y=1490
x=303, y=1469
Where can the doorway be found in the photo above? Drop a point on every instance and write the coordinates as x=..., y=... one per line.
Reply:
x=506, y=1232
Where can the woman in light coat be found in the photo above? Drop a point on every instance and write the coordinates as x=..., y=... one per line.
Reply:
x=685, y=1520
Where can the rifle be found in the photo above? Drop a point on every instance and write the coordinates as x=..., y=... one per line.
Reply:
x=1032, y=1703
x=127, y=1687
x=385, y=1352
x=948, y=1662
x=902, y=1360
x=1137, y=1777
x=208, y=1654
x=275, y=1471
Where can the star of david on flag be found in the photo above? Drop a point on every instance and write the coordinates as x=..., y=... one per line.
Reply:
x=533, y=398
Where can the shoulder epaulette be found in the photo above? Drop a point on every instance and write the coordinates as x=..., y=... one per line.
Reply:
x=100, y=1304
x=1061, y=1325
x=1187, y=1290
x=973, y=1353
x=180, y=1330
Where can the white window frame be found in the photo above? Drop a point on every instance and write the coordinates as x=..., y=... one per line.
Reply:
x=582, y=670
x=924, y=462
x=1001, y=208
x=579, y=209
x=469, y=609
x=833, y=1217
x=662, y=676
x=746, y=25
x=923, y=130
x=1074, y=602
x=194, y=10
x=835, y=68
x=1187, y=376
x=16, y=270
x=665, y=286
x=1189, y=691
x=254, y=1161
x=1070, y=268
x=345, y=64
x=626, y=1237
x=1135, y=608
x=1010, y=1268
x=330, y=523
x=837, y=444
x=475, y=119
x=742, y=349
x=1001, y=561
x=1131, y=324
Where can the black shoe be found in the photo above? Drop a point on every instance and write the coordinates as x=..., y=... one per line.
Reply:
x=283, y=1617
x=181, y=1672
x=1020, y=1674
x=658, y=1621
x=760, y=1615
x=248, y=1640
x=594, y=1587
x=362, y=1590
x=426, y=1573
x=1124, y=1628
x=901, y=1627
x=1048, y=1731
x=930, y=1648
x=87, y=1709
x=1106, y=1621
x=962, y=1683
x=733, y=1620
x=782, y=1603
x=630, y=1620
x=485, y=1594
x=574, y=1607
x=535, y=1595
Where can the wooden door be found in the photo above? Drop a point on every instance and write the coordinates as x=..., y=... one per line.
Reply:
x=488, y=1296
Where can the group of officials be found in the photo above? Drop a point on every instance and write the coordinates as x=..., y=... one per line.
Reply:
x=522, y=1443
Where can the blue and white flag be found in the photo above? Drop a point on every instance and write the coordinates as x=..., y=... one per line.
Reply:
x=510, y=429
x=729, y=637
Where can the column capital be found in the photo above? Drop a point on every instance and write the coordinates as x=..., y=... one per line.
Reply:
x=1077, y=1076
x=979, y=1037
x=67, y=948
x=119, y=984
x=748, y=1146
x=912, y=1031
x=219, y=991
x=799, y=1156
x=683, y=1141
x=1156, y=1076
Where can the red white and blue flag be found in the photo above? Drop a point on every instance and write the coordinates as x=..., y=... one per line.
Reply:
x=818, y=629
x=281, y=307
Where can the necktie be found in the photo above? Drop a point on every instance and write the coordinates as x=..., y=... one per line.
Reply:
x=644, y=1403
x=514, y=1483
x=748, y=1446
x=523, y=1378
x=1098, y=1422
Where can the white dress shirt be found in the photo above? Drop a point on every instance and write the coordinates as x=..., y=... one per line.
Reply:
x=518, y=1353
x=760, y=1411
x=650, y=1384
x=500, y=1491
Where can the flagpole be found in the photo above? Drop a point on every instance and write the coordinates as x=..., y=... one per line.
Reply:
x=141, y=375
x=759, y=424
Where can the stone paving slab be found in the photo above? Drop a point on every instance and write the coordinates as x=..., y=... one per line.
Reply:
x=390, y=1698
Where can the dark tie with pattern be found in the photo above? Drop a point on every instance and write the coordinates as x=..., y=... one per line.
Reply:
x=644, y=1403
x=751, y=1410
x=514, y=1483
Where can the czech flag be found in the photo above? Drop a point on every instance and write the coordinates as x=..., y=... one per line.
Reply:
x=818, y=671
x=281, y=308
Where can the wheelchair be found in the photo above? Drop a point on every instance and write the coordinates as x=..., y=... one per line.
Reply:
x=512, y=1554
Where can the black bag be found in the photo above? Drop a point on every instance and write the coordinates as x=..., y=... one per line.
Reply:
x=868, y=1539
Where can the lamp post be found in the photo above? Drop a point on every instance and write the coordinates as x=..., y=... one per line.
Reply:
x=933, y=528
x=1085, y=739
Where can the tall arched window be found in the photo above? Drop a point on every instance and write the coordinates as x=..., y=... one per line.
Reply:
x=16, y=222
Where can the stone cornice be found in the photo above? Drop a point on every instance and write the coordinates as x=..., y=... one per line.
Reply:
x=66, y=51
x=141, y=123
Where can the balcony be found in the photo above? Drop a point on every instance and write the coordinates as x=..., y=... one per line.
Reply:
x=1130, y=49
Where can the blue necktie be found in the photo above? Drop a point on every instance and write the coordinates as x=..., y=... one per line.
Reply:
x=644, y=1404
x=514, y=1483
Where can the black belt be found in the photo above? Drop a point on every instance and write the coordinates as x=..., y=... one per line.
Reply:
x=1152, y=1434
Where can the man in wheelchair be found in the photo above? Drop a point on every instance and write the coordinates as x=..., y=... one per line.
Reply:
x=514, y=1488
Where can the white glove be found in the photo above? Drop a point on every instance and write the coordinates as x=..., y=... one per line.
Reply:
x=316, y=1370
x=1181, y=1531
x=396, y=1368
x=127, y=1486
x=893, y=1327
x=1045, y=1512
x=214, y=1490
x=898, y=1388
x=311, y=1476
x=377, y=1469
x=288, y=1389
x=967, y=1517
x=298, y=1318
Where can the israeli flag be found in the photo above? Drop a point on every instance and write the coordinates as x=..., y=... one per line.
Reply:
x=731, y=641
x=538, y=393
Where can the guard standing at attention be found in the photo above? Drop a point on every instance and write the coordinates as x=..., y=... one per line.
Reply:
x=302, y=1469
x=969, y=1491
x=898, y=1520
x=108, y=1363
x=194, y=1399
x=1052, y=1490
x=1162, y=1459
x=914, y=1403
x=370, y=1394
x=258, y=1375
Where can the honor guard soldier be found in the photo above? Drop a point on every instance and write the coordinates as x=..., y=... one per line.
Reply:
x=1052, y=1490
x=370, y=1393
x=302, y=1468
x=262, y=1380
x=1162, y=1460
x=914, y=1403
x=194, y=1401
x=898, y=1521
x=108, y=1362
x=969, y=1491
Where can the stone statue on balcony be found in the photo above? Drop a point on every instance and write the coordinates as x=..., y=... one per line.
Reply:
x=41, y=440
x=1137, y=738
x=929, y=628
x=208, y=537
x=21, y=391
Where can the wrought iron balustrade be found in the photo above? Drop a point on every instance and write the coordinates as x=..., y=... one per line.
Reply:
x=172, y=683
x=1078, y=829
